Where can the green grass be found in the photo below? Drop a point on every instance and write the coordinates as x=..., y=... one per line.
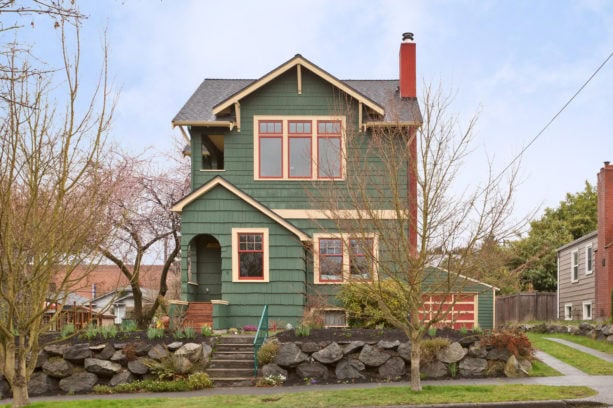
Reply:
x=379, y=396
x=540, y=369
x=599, y=345
x=578, y=359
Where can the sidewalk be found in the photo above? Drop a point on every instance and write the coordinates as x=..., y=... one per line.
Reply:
x=571, y=376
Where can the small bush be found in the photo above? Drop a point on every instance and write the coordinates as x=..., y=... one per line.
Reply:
x=270, y=380
x=68, y=330
x=91, y=332
x=514, y=341
x=189, y=332
x=268, y=352
x=196, y=381
x=431, y=347
x=108, y=332
x=206, y=331
x=302, y=331
x=477, y=330
x=432, y=332
x=463, y=331
x=199, y=381
x=155, y=333
x=129, y=326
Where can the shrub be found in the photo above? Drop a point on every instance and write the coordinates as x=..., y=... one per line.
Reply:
x=362, y=305
x=268, y=352
x=271, y=380
x=91, y=332
x=514, y=341
x=199, y=381
x=431, y=347
x=432, y=332
x=302, y=330
x=129, y=326
x=184, y=333
x=108, y=332
x=477, y=330
x=206, y=331
x=196, y=381
x=68, y=330
x=155, y=333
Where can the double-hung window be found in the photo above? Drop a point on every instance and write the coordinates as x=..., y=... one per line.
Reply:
x=340, y=259
x=574, y=267
x=589, y=255
x=298, y=148
x=250, y=254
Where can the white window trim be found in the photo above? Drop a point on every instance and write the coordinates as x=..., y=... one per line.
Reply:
x=285, y=147
x=235, y=260
x=346, y=266
x=573, y=265
x=587, y=248
x=568, y=316
x=583, y=314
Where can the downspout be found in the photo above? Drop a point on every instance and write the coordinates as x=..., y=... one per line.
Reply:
x=558, y=286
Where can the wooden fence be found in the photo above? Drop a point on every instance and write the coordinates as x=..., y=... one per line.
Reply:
x=525, y=306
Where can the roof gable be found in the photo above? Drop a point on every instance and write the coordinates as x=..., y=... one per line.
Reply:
x=220, y=181
x=297, y=62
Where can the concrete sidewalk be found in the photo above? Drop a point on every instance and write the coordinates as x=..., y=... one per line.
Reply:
x=571, y=376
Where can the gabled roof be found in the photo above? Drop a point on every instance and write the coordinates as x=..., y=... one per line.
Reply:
x=220, y=181
x=210, y=102
x=578, y=240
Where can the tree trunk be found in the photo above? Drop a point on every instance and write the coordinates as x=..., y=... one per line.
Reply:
x=415, y=361
x=20, y=394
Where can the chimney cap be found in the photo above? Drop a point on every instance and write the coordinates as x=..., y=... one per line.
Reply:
x=406, y=37
x=606, y=163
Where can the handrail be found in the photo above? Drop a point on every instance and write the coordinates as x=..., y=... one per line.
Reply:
x=260, y=337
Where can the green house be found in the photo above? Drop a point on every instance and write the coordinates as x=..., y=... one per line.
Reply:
x=252, y=234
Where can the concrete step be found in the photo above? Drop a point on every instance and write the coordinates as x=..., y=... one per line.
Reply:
x=233, y=355
x=236, y=339
x=227, y=363
x=234, y=382
x=239, y=348
x=215, y=373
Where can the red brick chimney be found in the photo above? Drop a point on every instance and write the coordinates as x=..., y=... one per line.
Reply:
x=604, y=254
x=408, y=77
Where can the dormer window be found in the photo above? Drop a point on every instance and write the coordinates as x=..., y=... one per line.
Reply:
x=299, y=148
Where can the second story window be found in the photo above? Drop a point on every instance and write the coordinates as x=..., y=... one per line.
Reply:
x=574, y=267
x=298, y=148
x=589, y=255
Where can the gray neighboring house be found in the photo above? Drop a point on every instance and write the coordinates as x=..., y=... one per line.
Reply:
x=577, y=278
x=119, y=301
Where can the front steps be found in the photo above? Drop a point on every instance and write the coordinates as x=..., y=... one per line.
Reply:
x=198, y=314
x=232, y=362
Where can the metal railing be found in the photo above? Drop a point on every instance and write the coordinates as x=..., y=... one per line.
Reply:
x=260, y=337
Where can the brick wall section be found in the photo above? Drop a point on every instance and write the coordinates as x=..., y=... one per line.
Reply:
x=604, y=254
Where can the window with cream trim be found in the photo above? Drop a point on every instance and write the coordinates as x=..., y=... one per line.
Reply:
x=339, y=259
x=250, y=255
x=299, y=148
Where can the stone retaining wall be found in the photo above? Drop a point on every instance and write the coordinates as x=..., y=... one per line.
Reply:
x=389, y=360
x=599, y=331
x=64, y=368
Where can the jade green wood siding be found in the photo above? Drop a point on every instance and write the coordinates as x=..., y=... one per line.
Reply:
x=215, y=214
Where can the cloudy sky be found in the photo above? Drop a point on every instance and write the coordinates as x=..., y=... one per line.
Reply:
x=515, y=63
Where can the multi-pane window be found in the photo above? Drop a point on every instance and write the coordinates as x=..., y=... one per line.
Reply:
x=294, y=148
x=251, y=255
x=329, y=149
x=271, y=148
x=568, y=311
x=574, y=266
x=339, y=260
x=587, y=310
x=330, y=260
x=589, y=254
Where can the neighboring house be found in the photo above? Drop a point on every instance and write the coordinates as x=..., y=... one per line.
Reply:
x=250, y=232
x=585, y=266
x=121, y=301
x=77, y=311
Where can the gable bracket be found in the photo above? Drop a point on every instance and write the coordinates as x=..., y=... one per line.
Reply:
x=299, y=74
x=237, y=111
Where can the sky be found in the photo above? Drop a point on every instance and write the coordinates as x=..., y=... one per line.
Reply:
x=513, y=63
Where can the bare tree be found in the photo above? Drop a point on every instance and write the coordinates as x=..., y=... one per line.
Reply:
x=383, y=165
x=51, y=194
x=143, y=225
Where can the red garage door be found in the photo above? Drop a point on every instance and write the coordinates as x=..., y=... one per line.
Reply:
x=453, y=310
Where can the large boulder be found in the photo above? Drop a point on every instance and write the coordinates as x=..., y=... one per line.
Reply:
x=499, y=354
x=404, y=351
x=513, y=369
x=56, y=349
x=191, y=351
x=57, y=367
x=207, y=350
x=434, y=369
x=158, y=352
x=273, y=370
x=289, y=355
x=41, y=359
x=477, y=350
x=102, y=368
x=353, y=346
x=392, y=368
x=471, y=366
x=373, y=356
x=141, y=349
x=79, y=382
x=330, y=354
x=388, y=345
x=41, y=384
x=123, y=377
x=182, y=364
x=312, y=370
x=140, y=366
x=78, y=353
x=310, y=347
x=348, y=369
x=452, y=353
x=106, y=353
x=174, y=346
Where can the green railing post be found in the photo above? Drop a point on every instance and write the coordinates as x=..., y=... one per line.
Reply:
x=260, y=337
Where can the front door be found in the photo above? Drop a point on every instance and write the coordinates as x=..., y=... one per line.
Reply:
x=208, y=268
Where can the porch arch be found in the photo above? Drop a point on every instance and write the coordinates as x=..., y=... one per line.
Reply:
x=204, y=271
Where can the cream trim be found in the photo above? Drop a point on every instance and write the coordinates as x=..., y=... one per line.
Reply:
x=392, y=123
x=285, y=119
x=218, y=181
x=321, y=214
x=299, y=75
x=237, y=112
x=296, y=61
x=219, y=302
x=360, y=127
x=345, y=237
x=235, y=263
x=184, y=134
x=204, y=123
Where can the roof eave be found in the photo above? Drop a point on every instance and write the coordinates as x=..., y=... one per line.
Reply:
x=204, y=123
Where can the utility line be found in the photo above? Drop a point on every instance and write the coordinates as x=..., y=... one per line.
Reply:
x=520, y=154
